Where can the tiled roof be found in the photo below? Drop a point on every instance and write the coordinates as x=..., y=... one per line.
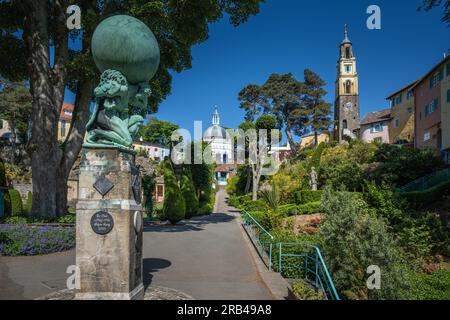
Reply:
x=377, y=116
x=409, y=86
x=66, y=107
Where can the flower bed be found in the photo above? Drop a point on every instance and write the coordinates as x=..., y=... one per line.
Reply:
x=24, y=240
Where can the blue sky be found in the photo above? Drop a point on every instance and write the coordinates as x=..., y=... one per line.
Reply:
x=291, y=35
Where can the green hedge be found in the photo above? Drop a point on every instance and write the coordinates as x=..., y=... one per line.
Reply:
x=288, y=210
x=16, y=202
x=189, y=195
x=28, y=204
x=174, y=208
x=310, y=208
x=419, y=199
x=307, y=196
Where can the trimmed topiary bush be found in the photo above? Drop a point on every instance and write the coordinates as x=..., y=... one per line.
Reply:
x=174, y=208
x=310, y=208
x=188, y=191
x=28, y=203
x=307, y=196
x=16, y=202
x=3, y=181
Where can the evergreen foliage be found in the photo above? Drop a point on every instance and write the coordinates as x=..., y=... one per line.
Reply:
x=174, y=208
x=188, y=191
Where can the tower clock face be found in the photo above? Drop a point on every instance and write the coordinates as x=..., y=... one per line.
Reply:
x=349, y=105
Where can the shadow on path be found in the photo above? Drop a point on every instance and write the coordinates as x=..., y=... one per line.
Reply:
x=194, y=224
x=151, y=266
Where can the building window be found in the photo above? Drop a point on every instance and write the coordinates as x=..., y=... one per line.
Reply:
x=432, y=107
x=378, y=140
x=344, y=124
x=426, y=136
x=410, y=109
x=393, y=102
x=347, y=53
x=409, y=95
x=63, y=128
x=348, y=87
x=434, y=80
x=348, y=68
x=399, y=99
x=396, y=123
x=376, y=127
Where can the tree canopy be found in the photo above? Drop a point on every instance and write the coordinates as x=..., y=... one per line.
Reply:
x=158, y=131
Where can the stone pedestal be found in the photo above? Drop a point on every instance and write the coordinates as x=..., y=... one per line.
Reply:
x=109, y=226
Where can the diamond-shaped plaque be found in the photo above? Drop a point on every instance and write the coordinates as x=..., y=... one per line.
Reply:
x=136, y=186
x=103, y=185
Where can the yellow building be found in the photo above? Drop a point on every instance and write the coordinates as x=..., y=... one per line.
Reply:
x=65, y=118
x=401, y=126
x=346, y=104
x=308, y=141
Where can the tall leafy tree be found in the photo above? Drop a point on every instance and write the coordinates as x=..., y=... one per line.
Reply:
x=27, y=30
x=158, y=131
x=15, y=106
x=427, y=5
x=320, y=111
x=280, y=96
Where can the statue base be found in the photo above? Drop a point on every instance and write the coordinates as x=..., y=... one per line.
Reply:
x=109, y=227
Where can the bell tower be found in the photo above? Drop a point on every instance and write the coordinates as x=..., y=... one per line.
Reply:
x=346, y=105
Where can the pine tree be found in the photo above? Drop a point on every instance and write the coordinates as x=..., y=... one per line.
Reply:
x=320, y=111
x=188, y=191
x=174, y=208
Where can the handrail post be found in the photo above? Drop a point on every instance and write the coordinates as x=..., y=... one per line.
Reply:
x=280, y=268
x=317, y=268
x=270, y=253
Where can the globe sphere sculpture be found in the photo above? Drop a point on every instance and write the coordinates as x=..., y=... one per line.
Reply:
x=126, y=44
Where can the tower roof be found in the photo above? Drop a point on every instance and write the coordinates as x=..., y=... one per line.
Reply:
x=346, y=39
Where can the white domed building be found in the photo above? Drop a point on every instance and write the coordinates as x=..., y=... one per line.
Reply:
x=221, y=147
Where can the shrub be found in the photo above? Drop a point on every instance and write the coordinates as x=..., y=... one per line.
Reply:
x=307, y=196
x=15, y=220
x=148, y=187
x=399, y=165
x=16, y=202
x=435, y=286
x=354, y=240
x=271, y=197
x=3, y=182
x=174, y=207
x=304, y=292
x=270, y=219
x=310, y=208
x=7, y=200
x=188, y=191
x=67, y=219
x=20, y=240
x=27, y=206
x=232, y=185
x=421, y=199
x=288, y=210
x=250, y=206
x=234, y=201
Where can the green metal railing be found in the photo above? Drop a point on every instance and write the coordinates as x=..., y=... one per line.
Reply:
x=295, y=260
x=427, y=182
x=261, y=238
x=308, y=265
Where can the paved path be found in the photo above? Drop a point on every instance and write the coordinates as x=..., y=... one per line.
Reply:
x=207, y=258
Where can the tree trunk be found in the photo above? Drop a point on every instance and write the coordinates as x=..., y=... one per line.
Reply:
x=73, y=144
x=249, y=180
x=316, y=139
x=12, y=126
x=47, y=90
